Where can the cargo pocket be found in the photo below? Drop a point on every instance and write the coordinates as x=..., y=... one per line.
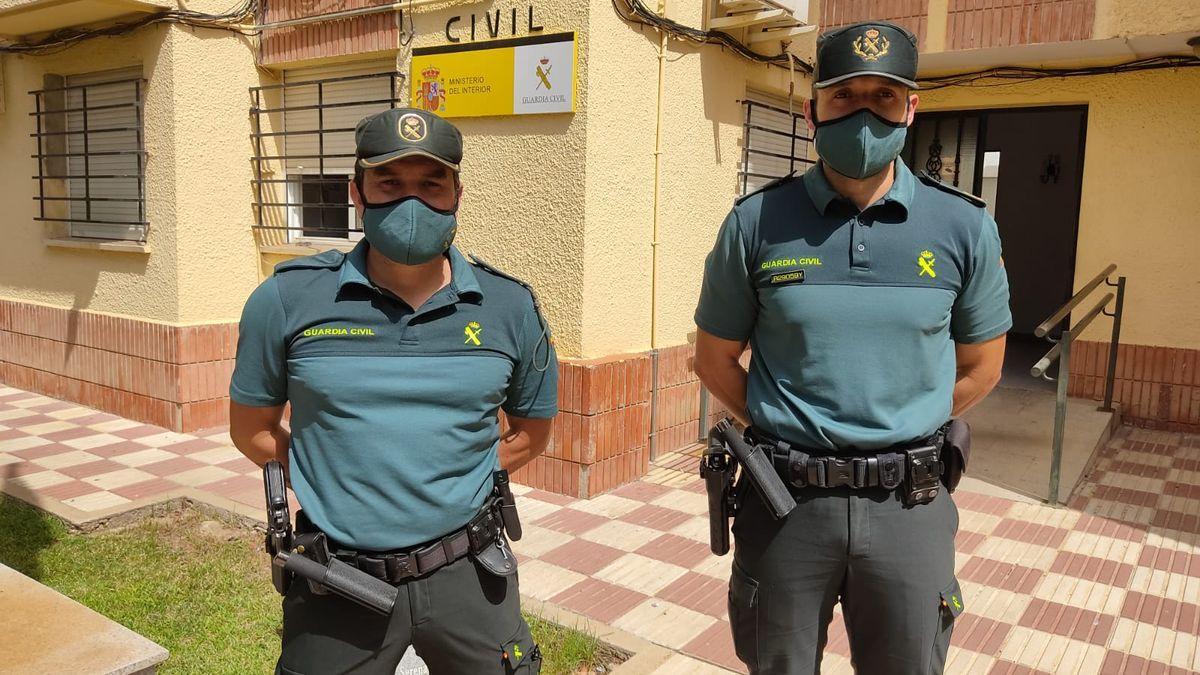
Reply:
x=950, y=606
x=521, y=654
x=743, y=616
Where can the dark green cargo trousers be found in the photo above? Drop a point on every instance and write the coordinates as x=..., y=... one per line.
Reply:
x=460, y=620
x=890, y=566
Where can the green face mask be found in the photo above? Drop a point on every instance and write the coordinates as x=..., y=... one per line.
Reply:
x=408, y=230
x=860, y=144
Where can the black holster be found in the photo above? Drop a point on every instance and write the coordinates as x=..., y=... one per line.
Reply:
x=717, y=468
x=956, y=452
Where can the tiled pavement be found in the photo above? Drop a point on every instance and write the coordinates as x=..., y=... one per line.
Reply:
x=1109, y=584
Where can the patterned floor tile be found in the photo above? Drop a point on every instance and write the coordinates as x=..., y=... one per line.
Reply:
x=686, y=665
x=202, y=476
x=621, y=535
x=15, y=445
x=664, y=623
x=143, y=457
x=543, y=581
x=698, y=592
x=64, y=459
x=599, y=600
x=96, y=501
x=715, y=645
x=582, y=556
x=639, y=573
x=36, y=480
x=115, y=479
x=92, y=440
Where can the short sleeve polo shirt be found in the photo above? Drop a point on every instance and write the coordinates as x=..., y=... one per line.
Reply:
x=394, y=410
x=852, y=316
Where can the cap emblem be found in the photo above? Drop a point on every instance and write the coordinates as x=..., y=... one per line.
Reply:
x=870, y=46
x=412, y=128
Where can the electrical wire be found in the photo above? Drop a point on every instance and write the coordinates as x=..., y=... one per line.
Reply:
x=59, y=40
x=634, y=11
x=1003, y=75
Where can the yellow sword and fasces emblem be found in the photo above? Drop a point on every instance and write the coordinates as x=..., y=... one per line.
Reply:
x=925, y=264
x=472, y=331
x=543, y=75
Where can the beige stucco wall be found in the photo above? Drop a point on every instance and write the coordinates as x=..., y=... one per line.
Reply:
x=1119, y=18
x=1139, y=203
x=133, y=284
x=701, y=127
x=217, y=257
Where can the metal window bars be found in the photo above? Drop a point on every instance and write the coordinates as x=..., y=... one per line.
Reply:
x=51, y=122
x=274, y=214
x=1061, y=351
x=752, y=124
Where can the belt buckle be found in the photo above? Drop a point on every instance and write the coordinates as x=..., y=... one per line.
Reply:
x=400, y=566
x=839, y=471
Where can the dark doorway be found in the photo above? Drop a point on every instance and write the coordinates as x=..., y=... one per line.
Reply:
x=1028, y=164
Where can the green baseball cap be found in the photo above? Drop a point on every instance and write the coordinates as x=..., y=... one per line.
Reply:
x=404, y=132
x=866, y=48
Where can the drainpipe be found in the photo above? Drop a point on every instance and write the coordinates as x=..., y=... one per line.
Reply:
x=658, y=105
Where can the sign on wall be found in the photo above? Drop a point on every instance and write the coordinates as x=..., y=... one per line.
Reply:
x=519, y=76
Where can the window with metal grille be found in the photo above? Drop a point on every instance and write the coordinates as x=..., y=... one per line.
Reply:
x=91, y=155
x=304, y=146
x=774, y=141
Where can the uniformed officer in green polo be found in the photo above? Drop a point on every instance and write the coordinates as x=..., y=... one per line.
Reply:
x=396, y=358
x=875, y=305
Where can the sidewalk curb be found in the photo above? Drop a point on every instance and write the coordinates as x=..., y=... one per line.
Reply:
x=645, y=656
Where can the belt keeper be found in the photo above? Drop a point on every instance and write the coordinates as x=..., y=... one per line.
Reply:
x=816, y=472
x=798, y=468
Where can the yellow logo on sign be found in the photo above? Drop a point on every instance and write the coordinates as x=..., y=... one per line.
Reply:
x=472, y=331
x=870, y=46
x=925, y=264
x=543, y=75
x=517, y=651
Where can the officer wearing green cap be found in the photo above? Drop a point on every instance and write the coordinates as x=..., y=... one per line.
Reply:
x=875, y=304
x=396, y=359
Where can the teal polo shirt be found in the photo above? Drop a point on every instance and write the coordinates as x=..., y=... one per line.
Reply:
x=394, y=410
x=852, y=316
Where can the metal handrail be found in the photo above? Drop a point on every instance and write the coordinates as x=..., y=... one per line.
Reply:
x=1063, y=311
x=1061, y=352
x=1039, y=368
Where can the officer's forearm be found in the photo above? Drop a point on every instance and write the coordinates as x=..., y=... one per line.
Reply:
x=259, y=433
x=726, y=380
x=522, y=440
x=265, y=445
x=978, y=367
x=970, y=388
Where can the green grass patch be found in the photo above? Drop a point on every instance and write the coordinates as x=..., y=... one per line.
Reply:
x=197, y=584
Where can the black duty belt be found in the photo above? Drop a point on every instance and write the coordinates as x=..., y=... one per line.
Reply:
x=887, y=468
x=395, y=566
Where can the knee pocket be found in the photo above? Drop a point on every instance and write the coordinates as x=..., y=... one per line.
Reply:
x=950, y=606
x=744, y=609
x=521, y=654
